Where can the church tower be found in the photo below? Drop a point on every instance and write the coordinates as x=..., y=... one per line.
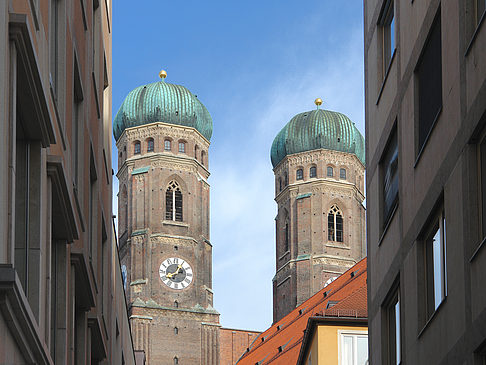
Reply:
x=318, y=162
x=162, y=132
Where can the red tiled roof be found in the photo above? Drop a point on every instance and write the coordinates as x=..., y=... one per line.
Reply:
x=280, y=344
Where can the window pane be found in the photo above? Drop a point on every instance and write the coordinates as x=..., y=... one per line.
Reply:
x=390, y=179
x=362, y=350
x=167, y=145
x=392, y=35
x=137, y=148
x=339, y=228
x=182, y=147
x=330, y=227
x=429, y=74
x=347, y=354
x=300, y=174
x=150, y=145
x=397, y=332
x=342, y=173
x=437, y=269
x=483, y=184
x=313, y=171
x=329, y=171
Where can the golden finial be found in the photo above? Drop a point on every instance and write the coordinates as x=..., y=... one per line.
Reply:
x=162, y=74
x=318, y=102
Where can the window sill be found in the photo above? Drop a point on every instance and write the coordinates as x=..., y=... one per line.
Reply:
x=434, y=123
x=388, y=223
x=432, y=316
x=337, y=245
x=387, y=72
x=476, y=31
x=175, y=223
x=283, y=256
x=476, y=251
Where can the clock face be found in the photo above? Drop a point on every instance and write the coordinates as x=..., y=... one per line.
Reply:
x=176, y=273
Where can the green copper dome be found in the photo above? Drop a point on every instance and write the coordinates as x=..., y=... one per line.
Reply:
x=318, y=129
x=162, y=102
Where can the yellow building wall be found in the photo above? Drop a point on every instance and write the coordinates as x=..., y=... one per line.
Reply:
x=325, y=348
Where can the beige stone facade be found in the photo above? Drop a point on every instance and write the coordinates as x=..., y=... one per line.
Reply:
x=425, y=85
x=308, y=255
x=61, y=296
x=177, y=323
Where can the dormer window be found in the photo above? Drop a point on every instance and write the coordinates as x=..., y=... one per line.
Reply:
x=167, y=145
x=136, y=148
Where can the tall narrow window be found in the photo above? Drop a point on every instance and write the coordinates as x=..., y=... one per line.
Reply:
x=480, y=8
x=176, y=360
x=136, y=148
x=335, y=225
x=167, y=145
x=429, y=79
x=435, y=265
x=286, y=179
x=387, y=25
x=182, y=147
x=342, y=174
x=299, y=174
x=391, y=337
x=195, y=151
x=203, y=158
x=150, y=145
x=53, y=44
x=482, y=185
x=173, y=202
x=279, y=184
x=313, y=171
x=77, y=126
x=330, y=171
x=286, y=236
x=389, y=167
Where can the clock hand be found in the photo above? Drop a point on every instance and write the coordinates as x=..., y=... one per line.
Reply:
x=179, y=267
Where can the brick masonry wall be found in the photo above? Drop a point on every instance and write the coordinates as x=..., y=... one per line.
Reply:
x=233, y=343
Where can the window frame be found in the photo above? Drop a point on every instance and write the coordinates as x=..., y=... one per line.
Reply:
x=137, y=148
x=183, y=145
x=422, y=135
x=299, y=174
x=329, y=171
x=354, y=334
x=167, y=144
x=388, y=37
x=174, y=210
x=342, y=173
x=313, y=172
x=334, y=236
x=150, y=145
x=391, y=328
x=388, y=162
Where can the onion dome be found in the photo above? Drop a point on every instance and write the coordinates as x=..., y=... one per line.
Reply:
x=318, y=129
x=162, y=102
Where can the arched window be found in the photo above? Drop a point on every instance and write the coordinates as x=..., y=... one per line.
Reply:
x=167, y=145
x=176, y=360
x=330, y=171
x=176, y=331
x=150, y=145
x=173, y=202
x=335, y=225
x=313, y=171
x=136, y=148
x=195, y=151
x=176, y=304
x=299, y=174
x=279, y=184
x=203, y=158
x=182, y=147
x=342, y=174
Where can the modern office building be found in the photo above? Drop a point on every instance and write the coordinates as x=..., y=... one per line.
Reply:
x=60, y=286
x=318, y=162
x=425, y=91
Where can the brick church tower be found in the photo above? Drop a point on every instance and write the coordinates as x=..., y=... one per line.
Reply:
x=318, y=160
x=162, y=132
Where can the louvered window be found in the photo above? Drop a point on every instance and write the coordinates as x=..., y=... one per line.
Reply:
x=335, y=225
x=173, y=202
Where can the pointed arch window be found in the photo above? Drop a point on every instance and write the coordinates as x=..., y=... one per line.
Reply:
x=335, y=225
x=173, y=202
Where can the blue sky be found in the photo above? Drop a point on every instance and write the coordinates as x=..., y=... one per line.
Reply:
x=254, y=65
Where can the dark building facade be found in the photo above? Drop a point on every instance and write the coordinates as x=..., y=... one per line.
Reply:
x=425, y=90
x=59, y=279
